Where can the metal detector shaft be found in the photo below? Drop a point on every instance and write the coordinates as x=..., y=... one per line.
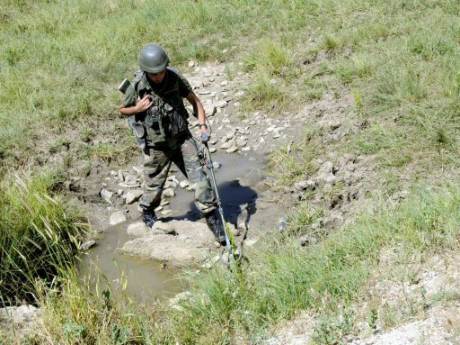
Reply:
x=219, y=204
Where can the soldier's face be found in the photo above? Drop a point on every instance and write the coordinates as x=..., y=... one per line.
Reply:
x=157, y=78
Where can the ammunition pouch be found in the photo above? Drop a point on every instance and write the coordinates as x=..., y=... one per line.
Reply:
x=174, y=123
x=163, y=123
x=154, y=126
x=138, y=130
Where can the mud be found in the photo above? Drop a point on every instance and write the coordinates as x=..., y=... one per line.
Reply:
x=145, y=280
x=140, y=279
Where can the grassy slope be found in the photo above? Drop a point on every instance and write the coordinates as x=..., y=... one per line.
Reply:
x=400, y=60
x=39, y=236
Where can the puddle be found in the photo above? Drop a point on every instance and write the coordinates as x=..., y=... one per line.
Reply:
x=146, y=280
x=141, y=279
x=235, y=179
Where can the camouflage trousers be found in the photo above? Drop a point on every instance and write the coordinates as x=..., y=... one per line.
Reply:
x=157, y=163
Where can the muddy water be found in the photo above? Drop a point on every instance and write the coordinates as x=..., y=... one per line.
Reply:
x=146, y=280
x=140, y=279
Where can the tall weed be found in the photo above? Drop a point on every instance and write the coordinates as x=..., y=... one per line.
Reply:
x=39, y=236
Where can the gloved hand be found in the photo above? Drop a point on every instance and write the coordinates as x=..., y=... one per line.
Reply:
x=204, y=137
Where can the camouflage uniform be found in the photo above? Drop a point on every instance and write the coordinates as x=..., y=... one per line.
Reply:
x=162, y=133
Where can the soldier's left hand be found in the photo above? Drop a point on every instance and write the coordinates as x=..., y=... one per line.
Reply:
x=204, y=135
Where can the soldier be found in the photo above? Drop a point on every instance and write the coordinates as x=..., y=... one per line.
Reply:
x=154, y=102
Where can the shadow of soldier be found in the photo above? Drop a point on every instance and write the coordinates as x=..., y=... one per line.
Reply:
x=238, y=203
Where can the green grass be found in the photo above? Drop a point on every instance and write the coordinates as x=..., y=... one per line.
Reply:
x=281, y=280
x=399, y=59
x=79, y=312
x=295, y=162
x=320, y=276
x=39, y=236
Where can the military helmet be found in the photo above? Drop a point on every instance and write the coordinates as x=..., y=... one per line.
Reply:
x=153, y=58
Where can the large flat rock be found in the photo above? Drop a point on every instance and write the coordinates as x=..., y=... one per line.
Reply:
x=180, y=243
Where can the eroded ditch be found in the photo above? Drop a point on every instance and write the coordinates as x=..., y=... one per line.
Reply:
x=144, y=279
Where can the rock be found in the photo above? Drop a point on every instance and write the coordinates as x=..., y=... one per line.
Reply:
x=171, y=184
x=138, y=229
x=307, y=240
x=326, y=173
x=121, y=176
x=334, y=220
x=212, y=149
x=21, y=314
x=20, y=323
x=305, y=185
x=174, y=302
x=232, y=149
x=184, y=184
x=117, y=218
x=138, y=170
x=250, y=242
x=399, y=196
x=173, y=179
x=221, y=104
x=133, y=195
x=335, y=124
x=242, y=141
x=87, y=245
x=191, y=63
x=228, y=137
x=210, y=109
x=106, y=195
x=168, y=193
x=133, y=185
x=165, y=228
x=73, y=185
x=166, y=213
x=211, y=262
x=216, y=165
x=191, y=187
x=329, y=179
x=326, y=168
x=130, y=179
x=190, y=245
x=227, y=145
x=282, y=224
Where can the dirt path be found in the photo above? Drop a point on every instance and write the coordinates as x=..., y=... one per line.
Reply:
x=239, y=147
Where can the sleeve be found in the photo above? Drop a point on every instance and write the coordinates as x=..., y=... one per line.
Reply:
x=184, y=86
x=130, y=97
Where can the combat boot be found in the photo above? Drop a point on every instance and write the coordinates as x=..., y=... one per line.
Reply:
x=214, y=222
x=149, y=217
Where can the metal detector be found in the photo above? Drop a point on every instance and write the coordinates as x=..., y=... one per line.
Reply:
x=230, y=245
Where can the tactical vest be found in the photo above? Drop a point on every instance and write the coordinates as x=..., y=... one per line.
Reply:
x=163, y=121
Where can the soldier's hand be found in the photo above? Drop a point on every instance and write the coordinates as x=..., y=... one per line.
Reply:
x=144, y=103
x=204, y=137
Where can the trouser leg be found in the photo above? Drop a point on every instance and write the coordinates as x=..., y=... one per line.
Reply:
x=189, y=162
x=156, y=168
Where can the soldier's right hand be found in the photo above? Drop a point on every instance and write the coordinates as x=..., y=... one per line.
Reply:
x=144, y=103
